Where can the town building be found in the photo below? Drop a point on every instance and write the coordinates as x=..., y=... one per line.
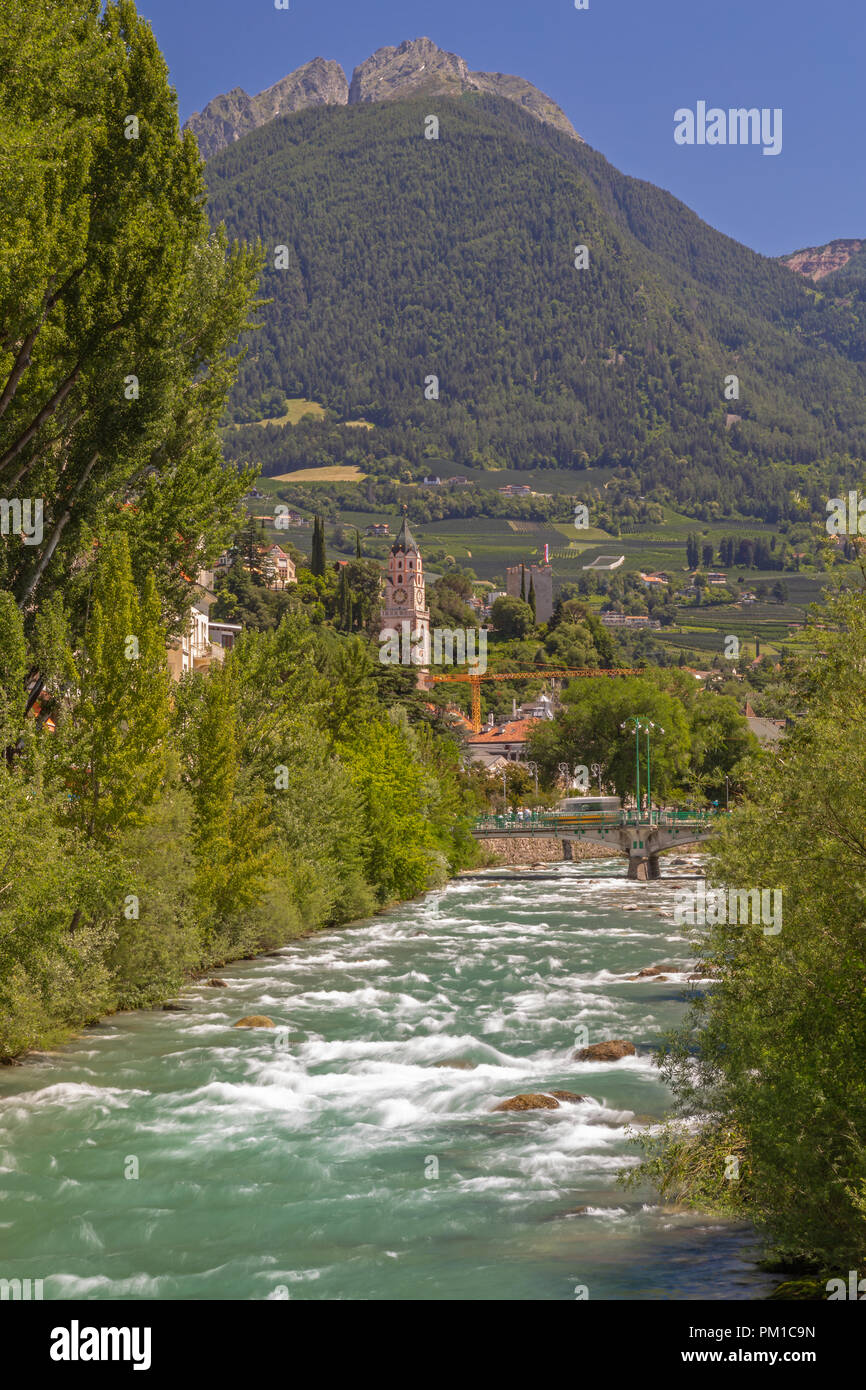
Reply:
x=768, y=732
x=629, y=620
x=278, y=568
x=202, y=642
x=541, y=707
x=506, y=741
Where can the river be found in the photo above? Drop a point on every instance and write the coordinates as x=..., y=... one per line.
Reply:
x=168, y=1155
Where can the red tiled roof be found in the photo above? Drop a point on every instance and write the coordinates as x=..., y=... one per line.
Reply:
x=515, y=731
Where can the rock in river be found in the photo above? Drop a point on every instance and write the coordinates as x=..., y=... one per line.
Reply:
x=611, y=1051
x=255, y=1021
x=528, y=1101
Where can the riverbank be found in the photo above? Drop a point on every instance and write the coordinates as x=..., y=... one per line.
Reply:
x=538, y=849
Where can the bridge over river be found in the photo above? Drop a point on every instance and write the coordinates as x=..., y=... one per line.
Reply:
x=642, y=835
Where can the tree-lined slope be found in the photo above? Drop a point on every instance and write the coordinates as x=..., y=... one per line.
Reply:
x=410, y=258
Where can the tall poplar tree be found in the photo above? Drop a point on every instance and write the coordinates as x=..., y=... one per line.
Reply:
x=117, y=303
x=114, y=753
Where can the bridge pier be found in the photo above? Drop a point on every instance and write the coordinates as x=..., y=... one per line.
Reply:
x=645, y=868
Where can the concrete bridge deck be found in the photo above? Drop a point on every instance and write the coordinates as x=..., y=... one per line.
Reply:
x=640, y=835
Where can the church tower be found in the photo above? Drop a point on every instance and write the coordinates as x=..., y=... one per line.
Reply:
x=405, y=596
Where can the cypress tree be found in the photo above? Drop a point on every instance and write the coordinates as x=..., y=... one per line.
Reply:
x=357, y=544
x=317, y=554
x=523, y=582
x=531, y=599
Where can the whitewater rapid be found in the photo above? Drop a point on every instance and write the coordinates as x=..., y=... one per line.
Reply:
x=171, y=1155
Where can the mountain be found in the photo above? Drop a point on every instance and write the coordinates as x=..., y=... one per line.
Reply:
x=816, y=262
x=225, y=119
x=410, y=259
x=418, y=65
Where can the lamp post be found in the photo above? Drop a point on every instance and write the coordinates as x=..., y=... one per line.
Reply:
x=533, y=767
x=597, y=769
x=565, y=773
x=649, y=725
x=727, y=782
x=635, y=719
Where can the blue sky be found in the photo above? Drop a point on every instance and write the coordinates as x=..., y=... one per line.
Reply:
x=619, y=70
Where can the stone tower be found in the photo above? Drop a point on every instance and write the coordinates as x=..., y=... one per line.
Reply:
x=542, y=580
x=405, y=595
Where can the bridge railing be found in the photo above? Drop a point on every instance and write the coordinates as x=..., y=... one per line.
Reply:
x=548, y=823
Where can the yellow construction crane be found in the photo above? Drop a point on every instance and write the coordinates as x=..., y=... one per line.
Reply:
x=473, y=679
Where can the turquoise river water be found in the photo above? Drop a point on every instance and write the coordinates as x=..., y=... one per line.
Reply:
x=168, y=1155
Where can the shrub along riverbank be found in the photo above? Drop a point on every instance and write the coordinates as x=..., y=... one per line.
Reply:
x=769, y=1069
x=160, y=830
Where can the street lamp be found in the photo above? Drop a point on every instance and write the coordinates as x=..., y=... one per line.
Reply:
x=650, y=725
x=533, y=767
x=635, y=719
x=597, y=769
x=727, y=783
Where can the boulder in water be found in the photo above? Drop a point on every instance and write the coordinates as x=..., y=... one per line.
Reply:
x=175, y=1008
x=567, y=1097
x=458, y=1065
x=217, y=984
x=528, y=1101
x=255, y=1021
x=611, y=1051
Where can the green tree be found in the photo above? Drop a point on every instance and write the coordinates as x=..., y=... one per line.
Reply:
x=118, y=303
x=318, y=558
x=113, y=754
x=13, y=670
x=231, y=829
x=588, y=730
x=511, y=617
x=770, y=1063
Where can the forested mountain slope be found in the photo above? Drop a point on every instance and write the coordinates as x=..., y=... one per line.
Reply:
x=411, y=258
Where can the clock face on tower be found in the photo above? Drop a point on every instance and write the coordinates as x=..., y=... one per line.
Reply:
x=400, y=595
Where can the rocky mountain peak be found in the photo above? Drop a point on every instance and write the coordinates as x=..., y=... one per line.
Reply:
x=391, y=74
x=321, y=82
